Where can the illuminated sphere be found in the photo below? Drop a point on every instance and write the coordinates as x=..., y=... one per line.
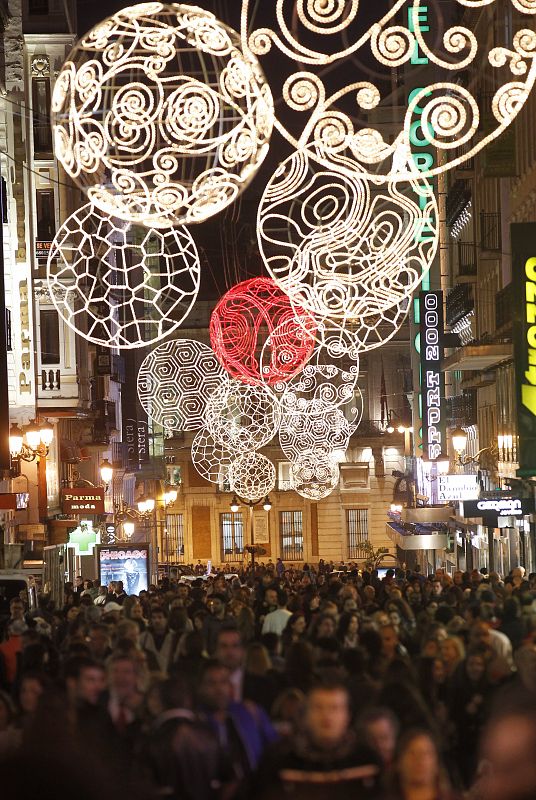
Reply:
x=159, y=116
x=252, y=476
x=342, y=246
x=175, y=381
x=210, y=459
x=242, y=417
x=314, y=477
x=319, y=428
x=256, y=314
x=121, y=285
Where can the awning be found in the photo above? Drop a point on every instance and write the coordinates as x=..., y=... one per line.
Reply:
x=408, y=541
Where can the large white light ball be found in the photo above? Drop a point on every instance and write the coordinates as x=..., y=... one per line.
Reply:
x=159, y=116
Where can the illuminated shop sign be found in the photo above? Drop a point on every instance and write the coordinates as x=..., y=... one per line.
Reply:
x=451, y=488
x=490, y=509
x=432, y=378
x=88, y=501
x=523, y=307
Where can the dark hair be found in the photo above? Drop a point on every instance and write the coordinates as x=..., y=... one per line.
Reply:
x=158, y=610
x=74, y=666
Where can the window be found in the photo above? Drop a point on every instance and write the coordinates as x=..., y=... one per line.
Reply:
x=42, y=130
x=291, y=531
x=284, y=481
x=50, y=337
x=174, y=539
x=232, y=536
x=357, y=529
x=46, y=224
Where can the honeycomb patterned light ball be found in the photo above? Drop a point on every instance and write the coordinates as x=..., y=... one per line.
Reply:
x=121, y=285
x=252, y=476
x=258, y=336
x=159, y=116
x=242, y=417
x=175, y=382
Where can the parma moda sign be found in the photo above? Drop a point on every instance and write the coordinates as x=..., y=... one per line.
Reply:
x=524, y=321
x=89, y=500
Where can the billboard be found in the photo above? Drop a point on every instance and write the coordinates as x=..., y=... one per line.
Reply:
x=524, y=330
x=89, y=500
x=127, y=563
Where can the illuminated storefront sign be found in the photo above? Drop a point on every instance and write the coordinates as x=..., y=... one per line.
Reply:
x=490, y=509
x=88, y=501
x=432, y=378
x=452, y=488
x=127, y=564
x=524, y=325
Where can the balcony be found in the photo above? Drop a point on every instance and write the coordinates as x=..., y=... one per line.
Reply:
x=119, y=455
x=467, y=262
x=460, y=303
x=490, y=232
x=458, y=210
x=461, y=410
x=477, y=357
x=50, y=380
x=503, y=308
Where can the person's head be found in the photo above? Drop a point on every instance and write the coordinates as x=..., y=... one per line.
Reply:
x=326, y=627
x=417, y=763
x=229, y=648
x=508, y=748
x=158, y=620
x=31, y=688
x=475, y=665
x=348, y=625
x=452, y=651
x=270, y=597
x=118, y=587
x=296, y=624
x=257, y=659
x=327, y=715
x=216, y=605
x=98, y=640
x=389, y=637
x=16, y=608
x=381, y=728
x=78, y=581
x=84, y=680
x=122, y=676
x=214, y=686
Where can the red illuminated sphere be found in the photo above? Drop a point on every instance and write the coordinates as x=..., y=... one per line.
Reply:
x=258, y=336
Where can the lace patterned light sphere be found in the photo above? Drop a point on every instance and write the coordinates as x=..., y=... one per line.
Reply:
x=256, y=314
x=175, y=382
x=242, y=417
x=118, y=284
x=159, y=116
x=211, y=459
x=345, y=247
x=314, y=477
x=317, y=428
x=252, y=476
x=305, y=39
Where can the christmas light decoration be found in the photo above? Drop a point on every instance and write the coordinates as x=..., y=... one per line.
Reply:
x=444, y=114
x=175, y=382
x=252, y=476
x=345, y=247
x=317, y=428
x=322, y=382
x=242, y=417
x=210, y=458
x=314, y=477
x=256, y=312
x=121, y=285
x=159, y=116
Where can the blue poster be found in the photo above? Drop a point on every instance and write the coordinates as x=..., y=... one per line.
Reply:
x=127, y=564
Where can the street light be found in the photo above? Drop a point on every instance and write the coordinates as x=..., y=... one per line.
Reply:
x=459, y=440
x=128, y=528
x=267, y=505
x=235, y=505
x=38, y=437
x=106, y=471
x=16, y=438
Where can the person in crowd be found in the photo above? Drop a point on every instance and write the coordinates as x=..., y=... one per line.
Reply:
x=276, y=621
x=417, y=772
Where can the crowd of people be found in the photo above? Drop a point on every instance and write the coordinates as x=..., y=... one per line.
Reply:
x=311, y=682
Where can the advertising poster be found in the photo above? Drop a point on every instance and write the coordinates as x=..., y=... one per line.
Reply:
x=126, y=563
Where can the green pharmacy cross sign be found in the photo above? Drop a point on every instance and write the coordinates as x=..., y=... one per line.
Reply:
x=524, y=320
x=83, y=539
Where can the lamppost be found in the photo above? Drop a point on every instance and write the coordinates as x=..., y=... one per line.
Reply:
x=236, y=502
x=151, y=506
x=32, y=443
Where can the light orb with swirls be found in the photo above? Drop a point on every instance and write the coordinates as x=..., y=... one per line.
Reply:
x=325, y=383
x=253, y=313
x=303, y=37
x=242, y=417
x=159, y=116
x=314, y=477
x=344, y=247
x=121, y=285
x=175, y=381
x=252, y=476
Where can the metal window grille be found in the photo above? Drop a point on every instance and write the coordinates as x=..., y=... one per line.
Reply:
x=291, y=532
x=232, y=536
x=174, y=539
x=357, y=528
